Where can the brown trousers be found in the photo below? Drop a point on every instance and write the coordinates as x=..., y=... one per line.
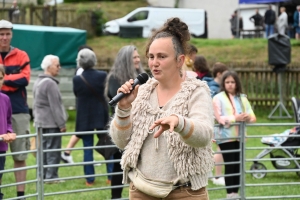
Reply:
x=181, y=193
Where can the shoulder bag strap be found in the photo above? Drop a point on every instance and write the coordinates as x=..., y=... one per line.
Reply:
x=94, y=91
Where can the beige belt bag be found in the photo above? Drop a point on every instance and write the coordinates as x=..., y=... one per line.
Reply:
x=158, y=189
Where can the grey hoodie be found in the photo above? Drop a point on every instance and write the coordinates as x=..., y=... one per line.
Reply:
x=48, y=110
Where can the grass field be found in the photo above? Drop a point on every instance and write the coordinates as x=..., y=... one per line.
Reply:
x=262, y=114
x=214, y=50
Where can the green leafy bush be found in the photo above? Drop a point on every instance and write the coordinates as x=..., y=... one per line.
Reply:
x=97, y=18
x=98, y=21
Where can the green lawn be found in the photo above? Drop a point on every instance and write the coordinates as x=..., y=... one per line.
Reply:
x=228, y=51
x=101, y=181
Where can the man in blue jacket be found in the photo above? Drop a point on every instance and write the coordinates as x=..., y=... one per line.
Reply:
x=297, y=22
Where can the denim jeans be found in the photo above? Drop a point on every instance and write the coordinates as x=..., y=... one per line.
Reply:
x=88, y=141
x=110, y=167
x=269, y=30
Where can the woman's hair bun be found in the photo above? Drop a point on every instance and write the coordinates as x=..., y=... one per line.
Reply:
x=177, y=28
x=176, y=23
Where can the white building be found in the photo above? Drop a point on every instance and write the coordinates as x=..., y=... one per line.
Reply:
x=218, y=13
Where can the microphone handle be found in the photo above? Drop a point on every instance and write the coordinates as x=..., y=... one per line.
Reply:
x=116, y=99
x=120, y=95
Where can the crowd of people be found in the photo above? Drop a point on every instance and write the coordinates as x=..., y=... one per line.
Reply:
x=157, y=127
x=268, y=22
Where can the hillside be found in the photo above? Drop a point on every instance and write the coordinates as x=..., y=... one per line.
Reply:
x=112, y=10
x=228, y=51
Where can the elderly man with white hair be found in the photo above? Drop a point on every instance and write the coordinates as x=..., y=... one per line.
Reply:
x=49, y=113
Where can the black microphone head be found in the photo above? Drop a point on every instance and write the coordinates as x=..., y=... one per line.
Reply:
x=143, y=78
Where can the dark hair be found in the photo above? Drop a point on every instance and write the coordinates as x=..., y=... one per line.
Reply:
x=200, y=64
x=192, y=49
x=218, y=68
x=177, y=30
x=2, y=70
x=84, y=47
x=238, y=85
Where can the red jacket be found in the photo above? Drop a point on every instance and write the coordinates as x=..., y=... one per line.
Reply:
x=15, y=84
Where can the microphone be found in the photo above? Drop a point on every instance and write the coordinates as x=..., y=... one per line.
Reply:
x=140, y=79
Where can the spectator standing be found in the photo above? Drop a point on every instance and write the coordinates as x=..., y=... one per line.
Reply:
x=127, y=66
x=165, y=124
x=6, y=132
x=269, y=20
x=92, y=108
x=257, y=19
x=17, y=69
x=230, y=106
x=297, y=22
x=201, y=67
x=66, y=156
x=236, y=25
x=49, y=113
x=214, y=85
x=282, y=21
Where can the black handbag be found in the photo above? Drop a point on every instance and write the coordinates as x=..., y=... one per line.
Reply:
x=104, y=140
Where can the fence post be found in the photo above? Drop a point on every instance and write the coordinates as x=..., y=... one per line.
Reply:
x=54, y=15
x=39, y=160
x=242, y=133
x=31, y=10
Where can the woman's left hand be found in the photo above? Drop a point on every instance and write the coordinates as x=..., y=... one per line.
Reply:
x=166, y=123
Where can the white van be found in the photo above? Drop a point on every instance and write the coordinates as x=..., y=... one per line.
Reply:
x=151, y=18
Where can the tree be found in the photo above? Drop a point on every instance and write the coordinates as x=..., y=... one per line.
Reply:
x=176, y=3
